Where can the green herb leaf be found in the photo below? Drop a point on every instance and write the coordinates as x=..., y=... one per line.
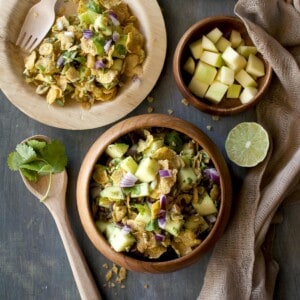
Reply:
x=54, y=155
x=152, y=225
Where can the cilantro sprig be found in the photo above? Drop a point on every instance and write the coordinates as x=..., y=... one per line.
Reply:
x=36, y=158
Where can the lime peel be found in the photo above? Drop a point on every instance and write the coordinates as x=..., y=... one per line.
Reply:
x=247, y=144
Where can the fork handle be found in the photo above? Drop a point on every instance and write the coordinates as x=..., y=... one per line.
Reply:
x=84, y=279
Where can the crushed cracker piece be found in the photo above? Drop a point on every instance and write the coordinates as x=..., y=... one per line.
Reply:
x=216, y=118
x=122, y=274
x=209, y=127
x=115, y=269
x=170, y=111
x=184, y=102
x=123, y=286
x=146, y=286
x=105, y=266
x=108, y=275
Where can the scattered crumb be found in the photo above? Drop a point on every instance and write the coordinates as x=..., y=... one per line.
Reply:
x=122, y=274
x=216, y=118
x=150, y=99
x=209, y=127
x=150, y=109
x=108, y=275
x=146, y=286
x=170, y=111
x=184, y=102
x=114, y=275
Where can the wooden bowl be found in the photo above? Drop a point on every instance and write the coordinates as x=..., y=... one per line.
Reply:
x=227, y=106
x=84, y=203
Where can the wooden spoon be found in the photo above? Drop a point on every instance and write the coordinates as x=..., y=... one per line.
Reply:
x=56, y=204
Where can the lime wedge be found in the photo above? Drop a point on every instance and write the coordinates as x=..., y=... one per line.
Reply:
x=247, y=144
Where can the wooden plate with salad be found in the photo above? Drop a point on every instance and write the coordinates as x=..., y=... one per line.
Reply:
x=98, y=62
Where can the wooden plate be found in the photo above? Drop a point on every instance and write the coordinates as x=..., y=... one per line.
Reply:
x=72, y=116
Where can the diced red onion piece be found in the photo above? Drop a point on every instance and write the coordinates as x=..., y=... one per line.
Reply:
x=159, y=237
x=163, y=202
x=161, y=222
x=128, y=180
x=107, y=46
x=87, y=34
x=60, y=61
x=126, y=229
x=115, y=36
x=114, y=18
x=211, y=218
x=212, y=174
x=100, y=64
x=165, y=173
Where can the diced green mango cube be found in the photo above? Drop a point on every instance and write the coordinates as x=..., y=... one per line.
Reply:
x=147, y=169
x=120, y=241
x=189, y=65
x=187, y=178
x=248, y=94
x=246, y=50
x=173, y=226
x=212, y=58
x=234, y=91
x=207, y=44
x=235, y=38
x=198, y=87
x=216, y=92
x=138, y=190
x=222, y=44
x=255, y=66
x=112, y=192
x=225, y=75
x=129, y=164
x=214, y=35
x=205, y=205
x=205, y=72
x=245, y=79
x=116, y=150
x=196, y=48
x=233, y=59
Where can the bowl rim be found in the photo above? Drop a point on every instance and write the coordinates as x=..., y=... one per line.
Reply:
x=196, y=101
x=84, y=176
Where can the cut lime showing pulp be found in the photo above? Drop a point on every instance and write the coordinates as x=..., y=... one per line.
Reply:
x=247, y=144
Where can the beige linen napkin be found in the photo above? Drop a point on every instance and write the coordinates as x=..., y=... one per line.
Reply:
x=238, y=267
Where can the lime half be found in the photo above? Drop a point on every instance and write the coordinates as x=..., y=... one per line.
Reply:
x=247, y=144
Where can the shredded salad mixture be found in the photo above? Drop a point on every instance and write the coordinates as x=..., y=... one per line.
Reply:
x=155, y=192
x=87, y=57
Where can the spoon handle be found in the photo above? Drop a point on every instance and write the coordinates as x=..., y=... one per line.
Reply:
x=85, y=283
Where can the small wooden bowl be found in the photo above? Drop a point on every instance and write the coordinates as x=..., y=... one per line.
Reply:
x=84, y=203
x=227, y=106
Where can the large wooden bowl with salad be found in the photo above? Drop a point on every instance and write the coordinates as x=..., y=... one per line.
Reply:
x=154, y=193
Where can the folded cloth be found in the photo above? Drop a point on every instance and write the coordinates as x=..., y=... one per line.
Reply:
x=239, y=267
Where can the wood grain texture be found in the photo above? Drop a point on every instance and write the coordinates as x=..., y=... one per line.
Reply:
x=33, y=263
x=72, y=116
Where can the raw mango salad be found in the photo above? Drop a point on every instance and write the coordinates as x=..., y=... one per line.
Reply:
x=87, y=57
x=155, y=194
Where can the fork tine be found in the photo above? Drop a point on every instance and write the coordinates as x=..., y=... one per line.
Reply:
x=35, y=43
x=21, y=37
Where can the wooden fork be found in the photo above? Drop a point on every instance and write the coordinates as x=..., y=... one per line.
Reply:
x=37, y=23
